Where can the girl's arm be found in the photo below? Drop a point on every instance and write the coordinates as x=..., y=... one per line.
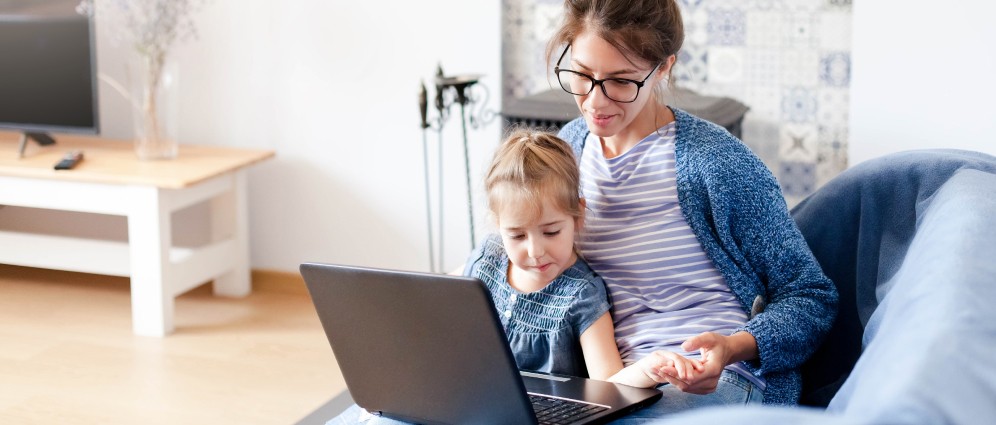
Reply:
x=601, y=355
x=598, y=344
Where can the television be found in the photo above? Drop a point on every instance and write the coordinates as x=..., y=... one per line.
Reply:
x=48, y=81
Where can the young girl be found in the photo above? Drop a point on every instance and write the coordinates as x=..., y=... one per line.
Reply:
x=553, y=308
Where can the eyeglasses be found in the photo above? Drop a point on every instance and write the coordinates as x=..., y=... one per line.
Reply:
x=620, y=90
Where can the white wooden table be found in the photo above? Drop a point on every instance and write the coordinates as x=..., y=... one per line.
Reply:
x=111, y=180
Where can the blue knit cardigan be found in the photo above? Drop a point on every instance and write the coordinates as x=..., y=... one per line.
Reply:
x=735, y=207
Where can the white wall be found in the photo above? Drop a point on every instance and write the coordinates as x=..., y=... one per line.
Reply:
x=922, y=77
x=331, y=86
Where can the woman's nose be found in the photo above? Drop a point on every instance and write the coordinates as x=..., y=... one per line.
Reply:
x=597, y=98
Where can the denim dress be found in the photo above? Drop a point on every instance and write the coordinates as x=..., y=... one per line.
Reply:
x=543, y=327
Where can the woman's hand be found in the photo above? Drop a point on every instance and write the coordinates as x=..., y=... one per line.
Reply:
x=717, y=351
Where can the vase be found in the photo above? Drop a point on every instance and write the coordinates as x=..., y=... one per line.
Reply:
x=154, y=102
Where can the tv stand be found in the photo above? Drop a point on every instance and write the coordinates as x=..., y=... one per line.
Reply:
x=113, y=181
x=43, y=139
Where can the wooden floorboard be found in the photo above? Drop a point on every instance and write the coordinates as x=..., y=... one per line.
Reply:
x=67, y=354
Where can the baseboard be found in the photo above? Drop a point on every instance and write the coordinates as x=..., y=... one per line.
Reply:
x=262, y=280
x=278, y=281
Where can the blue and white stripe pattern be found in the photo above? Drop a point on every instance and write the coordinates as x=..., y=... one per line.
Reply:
x=663, y=287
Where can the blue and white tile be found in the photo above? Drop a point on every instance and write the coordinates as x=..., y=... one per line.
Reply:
x=835, y=69
x=833, y=106
x=692, y=66
x=690, y=4
x=798, y=179
x=546, y=20
x=799, y=105
x=839, y=4
x=800, y=67
x=765, y=28
x=518, y=18
x=763, y=66
x=696, y=22
x=765, y=4
x=832, y=145
x=810, y=6
x=835, y=30
x=765, y=101
x=517, y=87
x=798, y=142
x=727, y=27
x=726, y=65
x=798, y=29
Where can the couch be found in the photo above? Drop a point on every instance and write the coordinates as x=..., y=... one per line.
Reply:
x=910, y=241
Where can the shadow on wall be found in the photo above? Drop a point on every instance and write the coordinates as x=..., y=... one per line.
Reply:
x=335, y=224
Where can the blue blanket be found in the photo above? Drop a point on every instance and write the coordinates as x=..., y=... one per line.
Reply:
x=910, y=241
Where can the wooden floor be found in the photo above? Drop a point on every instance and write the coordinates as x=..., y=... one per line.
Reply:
x=67, y=354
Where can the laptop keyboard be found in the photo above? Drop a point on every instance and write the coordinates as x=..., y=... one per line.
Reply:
x=551, y=410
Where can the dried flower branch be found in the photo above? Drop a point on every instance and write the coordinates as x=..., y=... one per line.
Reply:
x=150, y=26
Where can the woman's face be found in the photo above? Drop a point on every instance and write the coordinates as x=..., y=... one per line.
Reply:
x=607, y=118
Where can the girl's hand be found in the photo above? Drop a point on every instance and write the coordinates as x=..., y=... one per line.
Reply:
x=654, y=369
x=672, y=367
x=718, y=351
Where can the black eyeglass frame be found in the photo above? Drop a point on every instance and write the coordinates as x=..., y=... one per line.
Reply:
x=595, y=82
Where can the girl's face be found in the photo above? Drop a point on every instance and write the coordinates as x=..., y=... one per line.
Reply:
x=607, y=118
x=539, y=246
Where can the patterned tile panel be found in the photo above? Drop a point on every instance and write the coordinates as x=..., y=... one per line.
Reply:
x=788, y=60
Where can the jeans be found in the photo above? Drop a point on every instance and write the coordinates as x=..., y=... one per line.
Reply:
x=733, y=390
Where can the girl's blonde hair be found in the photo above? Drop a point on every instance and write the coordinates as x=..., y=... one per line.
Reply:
x=530, y=166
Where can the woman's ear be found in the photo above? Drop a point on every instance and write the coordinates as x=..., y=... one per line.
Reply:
x=666, y=67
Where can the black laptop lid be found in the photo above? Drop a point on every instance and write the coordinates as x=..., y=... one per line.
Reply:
x=392, y=335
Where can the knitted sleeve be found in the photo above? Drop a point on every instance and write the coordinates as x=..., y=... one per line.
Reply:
x=737, y=210
x=574, y=134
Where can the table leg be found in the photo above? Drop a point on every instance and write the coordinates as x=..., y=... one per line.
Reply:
x=149, y=238
x=230, y=219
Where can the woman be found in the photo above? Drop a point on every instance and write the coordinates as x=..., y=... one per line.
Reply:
x=686, y=226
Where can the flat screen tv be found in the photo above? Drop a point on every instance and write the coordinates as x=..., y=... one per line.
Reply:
x=48, y=68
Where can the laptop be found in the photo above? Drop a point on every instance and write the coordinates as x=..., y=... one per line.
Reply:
x=429, y=348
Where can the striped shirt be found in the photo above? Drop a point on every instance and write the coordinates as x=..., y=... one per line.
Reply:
x=663, y=287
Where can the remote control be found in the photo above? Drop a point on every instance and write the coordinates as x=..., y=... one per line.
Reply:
x=70, y=160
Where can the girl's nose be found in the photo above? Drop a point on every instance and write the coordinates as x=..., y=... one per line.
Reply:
x=535, y=249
